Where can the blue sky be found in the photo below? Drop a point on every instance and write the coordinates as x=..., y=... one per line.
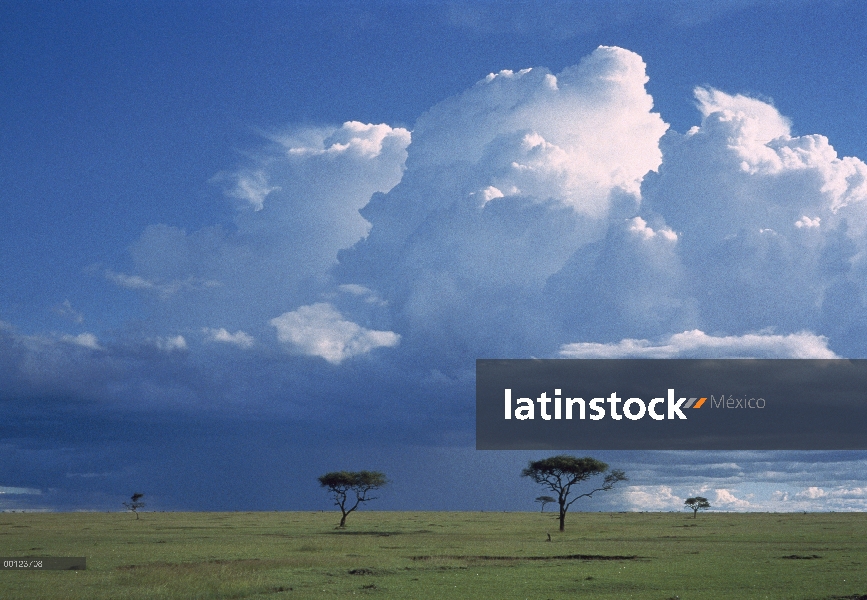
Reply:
x=245, y=244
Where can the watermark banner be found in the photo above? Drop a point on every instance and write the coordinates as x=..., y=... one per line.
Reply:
x=644, y=404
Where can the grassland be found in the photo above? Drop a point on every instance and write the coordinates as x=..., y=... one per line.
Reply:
x=288, y=555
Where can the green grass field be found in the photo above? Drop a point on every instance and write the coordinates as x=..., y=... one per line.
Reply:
x=440, y=555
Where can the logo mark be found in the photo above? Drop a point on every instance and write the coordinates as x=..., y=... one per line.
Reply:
x=698, y=404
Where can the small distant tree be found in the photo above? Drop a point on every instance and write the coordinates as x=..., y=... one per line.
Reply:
x=135, y=503
x=696, y=504
x=560, y=473
x=545, y=500
x=359, y=483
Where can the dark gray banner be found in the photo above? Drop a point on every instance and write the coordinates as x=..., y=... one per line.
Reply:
x=640, y=404
x=47, y=563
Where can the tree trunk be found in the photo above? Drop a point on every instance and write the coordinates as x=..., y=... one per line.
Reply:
x=343, y=521
x=562, y=519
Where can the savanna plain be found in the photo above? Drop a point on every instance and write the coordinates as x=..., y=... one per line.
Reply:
x=442, y=555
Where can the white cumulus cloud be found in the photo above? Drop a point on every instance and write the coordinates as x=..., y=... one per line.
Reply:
x=504, y=183
x=733, y=188
x=239, y=338
x=171, y=343
x=320, y=330
x=724, y=498
x=163, y=289
x=363, y=139
x=697, y=344
x=811, y=493
x=306, y=187
x=807, y=222
x=652, y=497
x=571, y=137
x=639, y=227
x=86, y=340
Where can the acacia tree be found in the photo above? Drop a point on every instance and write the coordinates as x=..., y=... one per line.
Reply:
x=545, y=500
x=360, y=483
x=560, y=473
x=134, y=504
x=696, y=504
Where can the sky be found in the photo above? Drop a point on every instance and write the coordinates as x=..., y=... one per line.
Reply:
x=242, y=245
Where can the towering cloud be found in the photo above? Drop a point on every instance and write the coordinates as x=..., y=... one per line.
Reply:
x=504, y=184
x=534, y=214
x=772, y=227
x=298, y=206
